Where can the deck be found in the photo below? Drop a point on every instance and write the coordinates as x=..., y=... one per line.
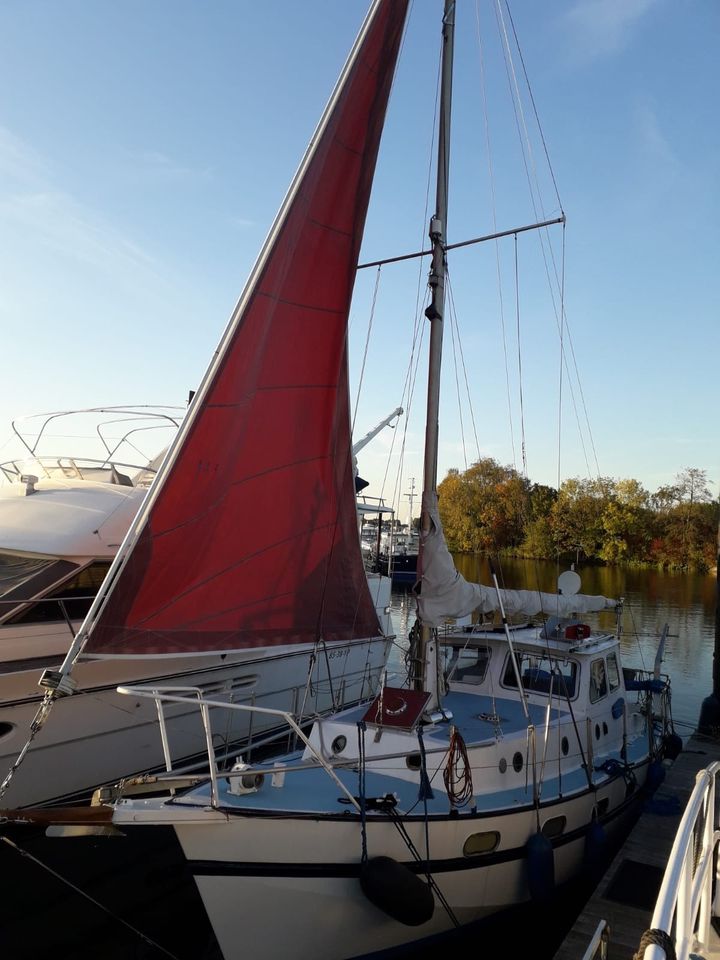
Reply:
x=625, y=896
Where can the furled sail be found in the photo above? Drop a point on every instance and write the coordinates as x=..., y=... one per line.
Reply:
x=249, y=537
x=444, y=593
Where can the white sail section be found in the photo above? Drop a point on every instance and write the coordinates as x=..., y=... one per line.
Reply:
x=444, y=593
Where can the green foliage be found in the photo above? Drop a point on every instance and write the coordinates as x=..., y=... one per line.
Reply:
x=484, y=508
x=491, y=508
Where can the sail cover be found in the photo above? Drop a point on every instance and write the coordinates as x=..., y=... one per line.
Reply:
x=249, y=537
x=444, y=593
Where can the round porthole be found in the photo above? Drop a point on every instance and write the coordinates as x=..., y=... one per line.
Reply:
x=564, y=746
x=597, y=731
x=338, y=744
x=605, y=728
x=517, y=762
x=6, y=729
x=413, y=761
x=502, y=766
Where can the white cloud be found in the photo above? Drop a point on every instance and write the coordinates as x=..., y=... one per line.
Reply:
x=33, y=207
x=653, y=141
x=19, y=163
x=601, y=28
x=156, y=163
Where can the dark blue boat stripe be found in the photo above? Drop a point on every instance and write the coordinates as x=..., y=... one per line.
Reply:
x=221, y=868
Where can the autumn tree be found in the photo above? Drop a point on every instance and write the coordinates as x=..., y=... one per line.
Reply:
x=485, y=508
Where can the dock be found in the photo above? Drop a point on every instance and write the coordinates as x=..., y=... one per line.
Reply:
x=625, y=896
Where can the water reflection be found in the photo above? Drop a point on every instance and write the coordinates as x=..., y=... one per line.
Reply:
x=686, y=602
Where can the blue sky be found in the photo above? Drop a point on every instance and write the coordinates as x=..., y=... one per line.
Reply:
x=145, y=148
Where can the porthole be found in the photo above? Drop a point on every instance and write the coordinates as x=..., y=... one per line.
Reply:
x=517, y=762
x=597, y=731
x=6, y=729
x=480, y=843
x=502, y=766
x=602, y=806
x=605, y=729
x=564, y=746
x=413, y=761
x=554, y=827
x=338, y=744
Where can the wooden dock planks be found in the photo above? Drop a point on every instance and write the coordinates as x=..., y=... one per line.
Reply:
x=626, y=894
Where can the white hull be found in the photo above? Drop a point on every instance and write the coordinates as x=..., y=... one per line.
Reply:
x=292, y=884
x=98, y=736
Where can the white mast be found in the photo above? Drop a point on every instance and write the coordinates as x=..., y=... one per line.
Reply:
x=427, y=653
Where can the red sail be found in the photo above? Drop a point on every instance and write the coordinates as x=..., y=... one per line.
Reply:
x=250, y=538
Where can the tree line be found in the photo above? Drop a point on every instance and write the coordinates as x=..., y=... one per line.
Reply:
x=490, y=508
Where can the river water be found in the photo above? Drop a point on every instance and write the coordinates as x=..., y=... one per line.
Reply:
x=652, y=598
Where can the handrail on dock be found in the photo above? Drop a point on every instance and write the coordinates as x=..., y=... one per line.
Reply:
x=685, y=903
x=598, y=946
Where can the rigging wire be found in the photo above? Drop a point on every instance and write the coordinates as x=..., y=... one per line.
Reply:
x=418, y=325
x=534, y=190
x=365, y=351
x=455, y=338
x=519, y=349
x=532, y=100
x=560, y=377
x=58, y=876
x=491, y=174
x=454, y=317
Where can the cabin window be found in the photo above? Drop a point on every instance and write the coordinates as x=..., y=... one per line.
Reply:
x=77, y=594
x=598, y=681
x=613, y=672
x=468, y=664
x=479, y=843
x=537, y=671
x=14, y=571
x=554, y=827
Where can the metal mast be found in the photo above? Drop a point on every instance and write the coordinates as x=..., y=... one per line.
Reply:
x=427, y=653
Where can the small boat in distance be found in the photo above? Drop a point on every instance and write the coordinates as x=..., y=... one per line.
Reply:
x=398, y=556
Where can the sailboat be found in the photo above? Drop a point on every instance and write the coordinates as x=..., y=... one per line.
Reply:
x=514, y=748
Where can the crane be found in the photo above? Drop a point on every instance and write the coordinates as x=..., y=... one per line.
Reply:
x=357, y=447
x=360, y=484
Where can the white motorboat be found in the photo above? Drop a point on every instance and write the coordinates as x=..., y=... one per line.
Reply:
x=63, y=518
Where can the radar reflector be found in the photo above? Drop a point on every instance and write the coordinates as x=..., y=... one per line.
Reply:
x=569, y=583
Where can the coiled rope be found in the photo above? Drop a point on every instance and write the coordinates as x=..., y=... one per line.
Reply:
x=457, y=774
x=660, y=938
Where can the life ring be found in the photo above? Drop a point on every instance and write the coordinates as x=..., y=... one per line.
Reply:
x=395, y=711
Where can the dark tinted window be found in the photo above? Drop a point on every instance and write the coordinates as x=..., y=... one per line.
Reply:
x=76, y=594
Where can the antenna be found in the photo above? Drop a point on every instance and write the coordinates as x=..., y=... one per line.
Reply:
x=411, y=497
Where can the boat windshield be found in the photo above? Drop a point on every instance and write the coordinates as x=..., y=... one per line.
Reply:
x=15, y=570
x=71, y=599
x=537, y=670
